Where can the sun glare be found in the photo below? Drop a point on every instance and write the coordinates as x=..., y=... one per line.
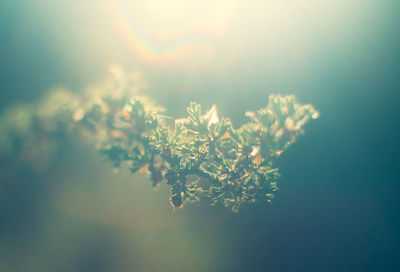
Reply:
x=162, y=32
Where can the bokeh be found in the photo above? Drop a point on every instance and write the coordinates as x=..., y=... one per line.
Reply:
x=338, y=205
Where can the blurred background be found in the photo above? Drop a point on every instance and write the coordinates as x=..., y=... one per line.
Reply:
x=338, y=205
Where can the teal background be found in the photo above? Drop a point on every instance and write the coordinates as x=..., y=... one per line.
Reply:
x=338, y=205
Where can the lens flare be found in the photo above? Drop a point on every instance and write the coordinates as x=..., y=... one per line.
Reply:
x=170, y=32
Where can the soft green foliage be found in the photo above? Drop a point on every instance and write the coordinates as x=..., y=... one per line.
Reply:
x=201, y=157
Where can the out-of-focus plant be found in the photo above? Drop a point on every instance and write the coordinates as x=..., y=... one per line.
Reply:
x=201, y=157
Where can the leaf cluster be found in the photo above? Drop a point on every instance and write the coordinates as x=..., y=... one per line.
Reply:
x=201, y=157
